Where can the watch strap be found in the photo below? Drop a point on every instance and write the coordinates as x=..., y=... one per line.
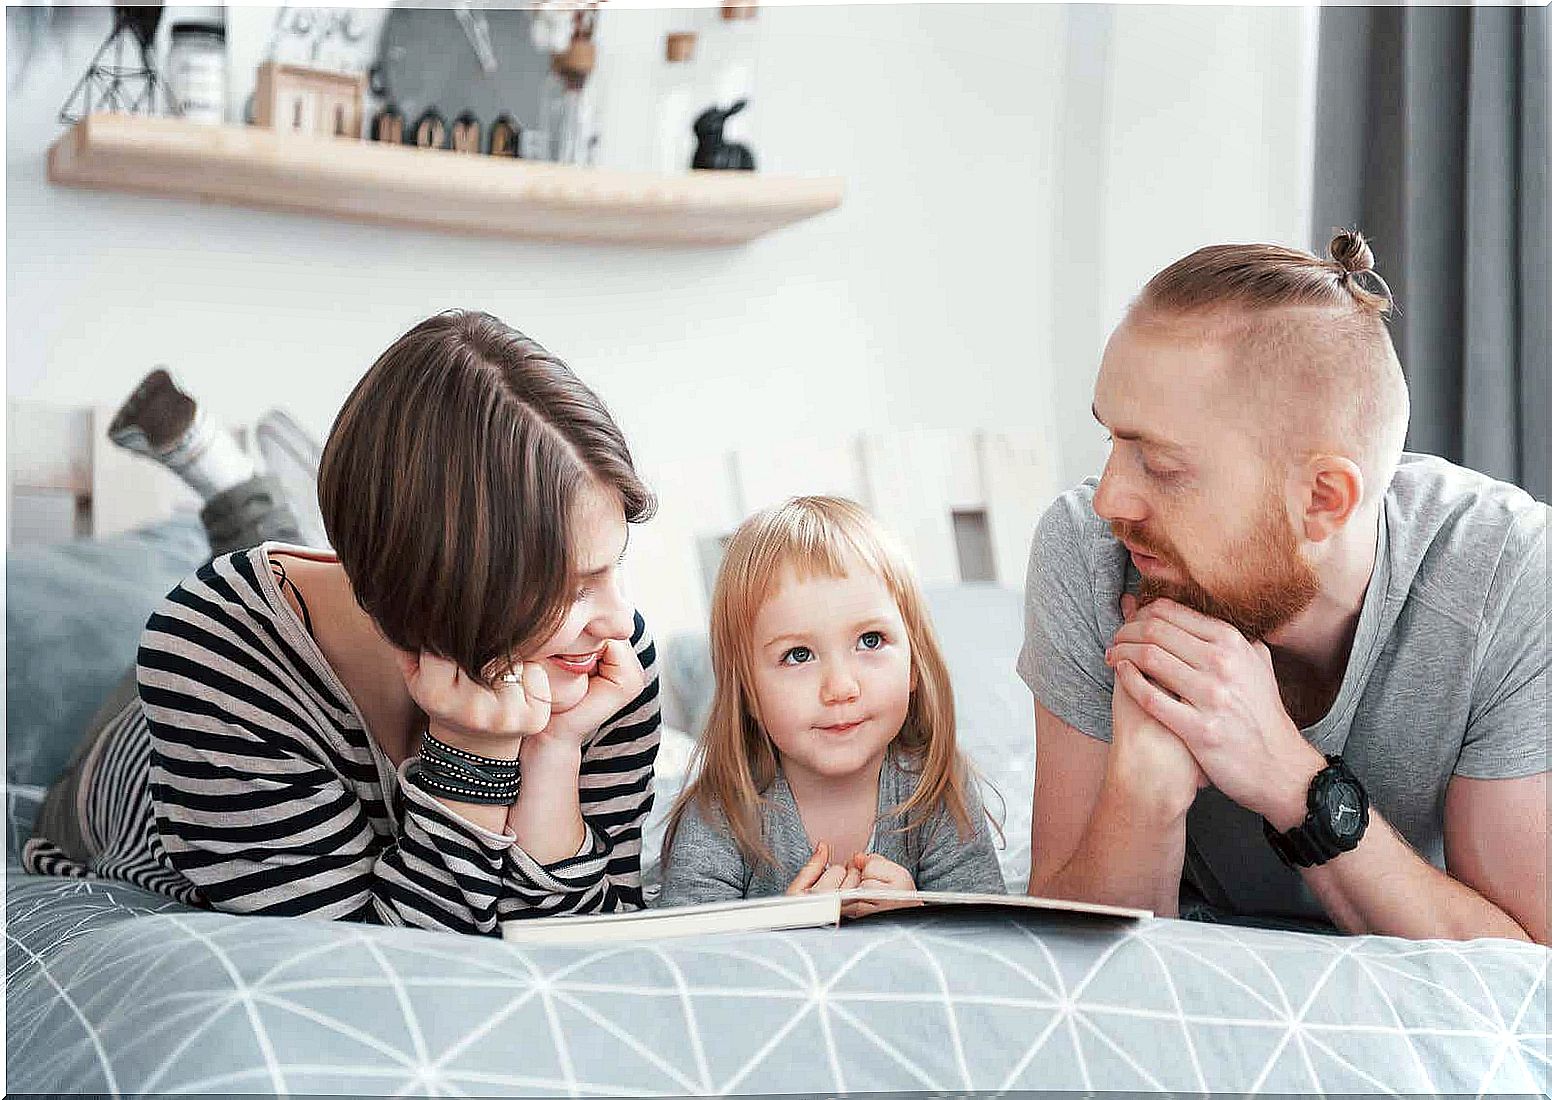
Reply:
x=1310, y=843
x=1300, y=846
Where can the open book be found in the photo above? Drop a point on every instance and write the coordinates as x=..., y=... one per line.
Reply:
x=773, y=914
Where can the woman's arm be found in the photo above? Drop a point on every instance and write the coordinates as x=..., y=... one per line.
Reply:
x=584, y=800
x=266, y=801
x=253, y=811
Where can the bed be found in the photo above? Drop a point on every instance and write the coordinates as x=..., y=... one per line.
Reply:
x=113, y=990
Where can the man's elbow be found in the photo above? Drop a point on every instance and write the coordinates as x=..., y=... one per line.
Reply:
x=1043, y=880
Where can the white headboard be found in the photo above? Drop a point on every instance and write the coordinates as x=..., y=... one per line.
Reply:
x=964, y=503
x=66, y=480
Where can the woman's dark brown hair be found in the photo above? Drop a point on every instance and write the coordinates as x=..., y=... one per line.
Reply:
x=448, y=485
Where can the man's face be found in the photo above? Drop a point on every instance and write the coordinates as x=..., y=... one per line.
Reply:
x=1186, y=488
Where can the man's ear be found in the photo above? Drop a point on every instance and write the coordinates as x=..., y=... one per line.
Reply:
x=1333, y=486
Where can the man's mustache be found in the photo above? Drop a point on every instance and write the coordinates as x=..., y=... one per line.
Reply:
x=1129, y=533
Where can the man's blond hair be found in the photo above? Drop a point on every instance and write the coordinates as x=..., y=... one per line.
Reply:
x=1312, y=356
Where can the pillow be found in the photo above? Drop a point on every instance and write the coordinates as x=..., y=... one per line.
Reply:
x=73, y=617
x=669, y=775
x=980, y=628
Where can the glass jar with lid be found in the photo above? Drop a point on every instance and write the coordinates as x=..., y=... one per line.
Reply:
x=196, y=70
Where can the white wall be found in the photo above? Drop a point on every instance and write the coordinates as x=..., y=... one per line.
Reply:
x=1183, y=126
x=1014, y=172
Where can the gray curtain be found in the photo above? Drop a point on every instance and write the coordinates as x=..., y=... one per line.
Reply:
x=1431, y=137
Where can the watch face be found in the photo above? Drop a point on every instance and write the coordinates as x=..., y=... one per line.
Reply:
x=1344, y=809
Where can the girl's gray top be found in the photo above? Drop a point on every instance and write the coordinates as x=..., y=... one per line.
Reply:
x=703, y=864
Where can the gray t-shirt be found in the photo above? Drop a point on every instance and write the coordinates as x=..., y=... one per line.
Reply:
x=1447, y=675
x=704, y=863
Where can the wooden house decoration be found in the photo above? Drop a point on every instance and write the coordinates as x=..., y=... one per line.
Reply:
x=298, y=100
x=466, y=133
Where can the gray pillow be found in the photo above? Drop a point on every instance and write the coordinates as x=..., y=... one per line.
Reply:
x=981, y=628
x=73, y=617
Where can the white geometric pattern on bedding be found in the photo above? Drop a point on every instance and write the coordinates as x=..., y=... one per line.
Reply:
x=110, y=989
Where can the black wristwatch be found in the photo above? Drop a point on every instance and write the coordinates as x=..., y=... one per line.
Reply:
x=1338, y=815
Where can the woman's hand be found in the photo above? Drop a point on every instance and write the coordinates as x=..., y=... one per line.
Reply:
x=820, y=876
x=877, y=873
x=485, y=721
x=547, y=816
x=618, y=680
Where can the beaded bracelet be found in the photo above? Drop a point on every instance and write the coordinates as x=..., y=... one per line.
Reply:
x=465, y=777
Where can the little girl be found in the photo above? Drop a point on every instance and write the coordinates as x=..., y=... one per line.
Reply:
x=829, y=760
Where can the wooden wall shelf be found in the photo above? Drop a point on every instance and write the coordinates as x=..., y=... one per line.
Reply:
x=429, y=189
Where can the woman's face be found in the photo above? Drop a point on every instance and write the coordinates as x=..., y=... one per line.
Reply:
x=598, y=610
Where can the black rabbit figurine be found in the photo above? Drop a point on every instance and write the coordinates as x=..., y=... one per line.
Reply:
x=711, y=151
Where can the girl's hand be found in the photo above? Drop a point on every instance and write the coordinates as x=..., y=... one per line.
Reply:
x=878, y=873
x=618, y=680
x=820, y=876
x=484, y=721
x=874, y=872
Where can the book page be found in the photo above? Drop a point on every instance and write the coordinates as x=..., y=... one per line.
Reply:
x=930, y=899
x=774, y=914
x=744, y=915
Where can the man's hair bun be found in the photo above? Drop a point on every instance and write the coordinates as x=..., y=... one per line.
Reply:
x=1349, y=249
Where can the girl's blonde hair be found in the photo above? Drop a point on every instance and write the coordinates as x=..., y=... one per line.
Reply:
x=814, y=536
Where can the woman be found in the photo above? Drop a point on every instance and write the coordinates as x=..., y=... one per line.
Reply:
x=447, y=721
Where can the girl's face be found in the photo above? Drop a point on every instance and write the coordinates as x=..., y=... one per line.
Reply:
x=832, y=672
x=599, y=610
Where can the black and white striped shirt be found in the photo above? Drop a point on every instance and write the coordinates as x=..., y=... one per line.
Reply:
x=244, y=779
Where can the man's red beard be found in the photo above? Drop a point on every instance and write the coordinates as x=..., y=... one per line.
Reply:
x=1274, y=584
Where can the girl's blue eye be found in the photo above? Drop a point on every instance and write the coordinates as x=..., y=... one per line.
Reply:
x=797, y=655
x=581, y=594
x=872, y=639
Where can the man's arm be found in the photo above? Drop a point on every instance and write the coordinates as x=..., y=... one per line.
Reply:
x=1495, y=807
x=1106, y=825
x=1202, y=679
x=1111, y=785
x=1496, y=847
x=1495, y=841
x=1495, y=835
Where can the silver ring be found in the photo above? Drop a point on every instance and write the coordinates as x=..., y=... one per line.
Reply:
x=511, y=677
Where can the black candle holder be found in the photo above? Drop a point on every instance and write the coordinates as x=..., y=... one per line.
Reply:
x=121, y=87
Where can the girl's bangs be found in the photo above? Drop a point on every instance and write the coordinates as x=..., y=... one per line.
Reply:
x=815, y=540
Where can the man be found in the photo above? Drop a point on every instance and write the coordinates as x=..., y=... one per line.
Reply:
x=1282, y=671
